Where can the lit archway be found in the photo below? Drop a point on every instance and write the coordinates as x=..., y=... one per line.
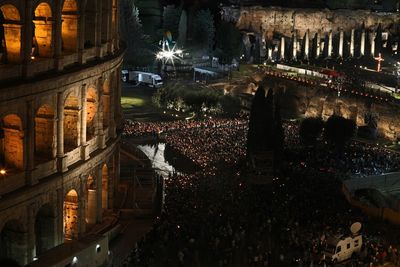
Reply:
x=104, y=187
x=44, y=229
x=43, y=31
x=69, y=31
x=91, y=110
x=91, y=200
x=90, y=24
x=13, y=243
x=71, y=218
x=44, y=137
x=71, y=123
x=11, y=142
x=106, y=103
x=10, y=34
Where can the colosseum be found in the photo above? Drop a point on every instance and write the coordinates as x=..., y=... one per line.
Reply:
x=60, y=65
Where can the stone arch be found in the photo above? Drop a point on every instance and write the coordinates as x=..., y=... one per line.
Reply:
x=106, y=101
x=43, y=31
x=13, y=241
x=10, y=34
x=90, y=24
x=11, y=142
x=91, y=200
x=71, y=219
x=104, y=186
x=91, y=110
x=71, y=122
x=45, y=225
x=69, y=30
x=44, y=133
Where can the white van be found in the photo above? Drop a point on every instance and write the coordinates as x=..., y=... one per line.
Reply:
x=340, y=249
x=140, y=77
x=343, y=248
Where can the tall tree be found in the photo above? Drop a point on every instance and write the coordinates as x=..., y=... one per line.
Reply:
x=228, y=42
x=310, y=130
x=279, y=134
x=204, y=29
x=338, y=131
x=254, y=134
x=131, y=29
x=171, y=18
x=268, y=121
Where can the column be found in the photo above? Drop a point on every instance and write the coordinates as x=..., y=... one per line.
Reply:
x=282, y=48
x=116, y=175
x=307, y=44
x=81, y=34
x=29, y=146
x=59, y=226
x=99, y=116
x=27, y=40
x=99, y=12
x=341, y=37
x=58, y=39
x=109, y=28
x=118, y=108
x=294, y=45
x=61, y=160
x=362, y=46
x=352, y=43
x=372, y=43
x=99, y=191
x=81, y=206
x=318, y=50
x=111, y=127
x=330, y=47
x=83, y=123
x=31, y=238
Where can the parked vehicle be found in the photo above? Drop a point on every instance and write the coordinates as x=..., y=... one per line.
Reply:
x=140, y=77
x=343, y=248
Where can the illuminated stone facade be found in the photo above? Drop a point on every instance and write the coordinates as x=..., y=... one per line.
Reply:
x=60, y=65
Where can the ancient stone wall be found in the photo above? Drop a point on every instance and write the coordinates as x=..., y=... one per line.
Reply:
x=284, y=20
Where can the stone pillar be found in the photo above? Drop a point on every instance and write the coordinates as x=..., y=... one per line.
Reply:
x=330, y=47
x=99, y=191
x=352, y=43
x=12, y=36
x=269, y=53
x=113, y=87
x=117, y=103
x=31, y=237
x=81, y=206
x=81, y=34
x=341, y=38
x=117, y=172
x=294, y=45
x=109, y=27
x=58, y=39
x=282, y=48
x=362, y=45
x=83, y=124
x=27, y=37
x=59, y=226
x=99, y=14
x=372, y=43
x=307, y=44
x=318, y=50
x=61, y=160
x=99, y=115
x=29, y=147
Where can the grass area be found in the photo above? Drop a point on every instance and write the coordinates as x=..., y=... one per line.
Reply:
x=130, y=101
x=244, y=70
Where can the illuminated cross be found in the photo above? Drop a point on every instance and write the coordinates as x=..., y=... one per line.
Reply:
x=379, y=59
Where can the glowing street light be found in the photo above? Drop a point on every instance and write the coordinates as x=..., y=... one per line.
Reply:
x=3, y=172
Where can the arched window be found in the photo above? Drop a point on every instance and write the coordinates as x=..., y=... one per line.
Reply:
x=91, y=198
x=71, y=218
x=44, y=229
x=71, y=123
x=10, y=34
x=43, y=31
x=44, y=137
x=13, y=243
x=69, y=29
x=91, y=110
x=11, y=142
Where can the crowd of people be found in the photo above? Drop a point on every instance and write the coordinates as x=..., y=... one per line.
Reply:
x=220, y=219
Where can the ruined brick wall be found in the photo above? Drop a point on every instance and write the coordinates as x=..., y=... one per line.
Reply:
x=284, y=20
